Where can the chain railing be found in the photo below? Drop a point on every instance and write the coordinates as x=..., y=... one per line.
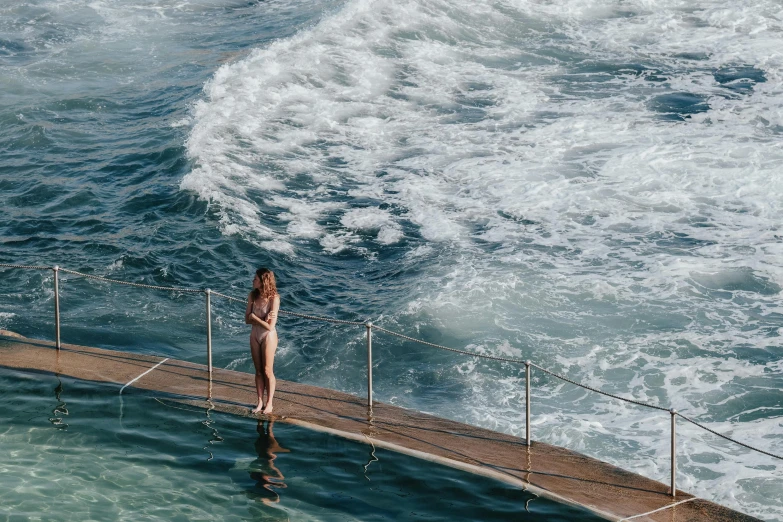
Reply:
x=369, y=327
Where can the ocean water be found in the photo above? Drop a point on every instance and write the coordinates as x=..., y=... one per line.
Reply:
x=594, y=186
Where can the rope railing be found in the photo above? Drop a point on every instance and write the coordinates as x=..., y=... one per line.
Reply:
x=369, y=327
x=729, y=438
x=127, y=283
x=441, y=347
x=227, y=297
x=566, y=379
x=596, y=390
x=324, y=319
x=28, y=267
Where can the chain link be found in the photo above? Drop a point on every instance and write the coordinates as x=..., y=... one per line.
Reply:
x=138, y=285
x=729, y=438
x=440, y=347
x=325, y=319
x=226, y=296
x=517, y=361
x=29, y=267
x=566, y=379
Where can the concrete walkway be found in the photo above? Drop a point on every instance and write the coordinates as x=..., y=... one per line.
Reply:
x=543, y=469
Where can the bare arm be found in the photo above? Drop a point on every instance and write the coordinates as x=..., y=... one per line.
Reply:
x=272, y=318
x=269, y=324
x=249, y=310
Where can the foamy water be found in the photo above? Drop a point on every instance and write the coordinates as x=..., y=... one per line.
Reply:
x=594, y=187
x=591, y=186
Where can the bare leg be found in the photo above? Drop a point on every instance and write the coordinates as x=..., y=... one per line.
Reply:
x=255, y=352
x=269, y=348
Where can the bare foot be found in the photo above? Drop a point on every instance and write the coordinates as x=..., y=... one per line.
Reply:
x=258, y=408
x=268, y=409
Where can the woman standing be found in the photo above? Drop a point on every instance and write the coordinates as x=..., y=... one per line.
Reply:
x=261, y=312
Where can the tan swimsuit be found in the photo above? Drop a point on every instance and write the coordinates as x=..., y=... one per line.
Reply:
x=261, y=311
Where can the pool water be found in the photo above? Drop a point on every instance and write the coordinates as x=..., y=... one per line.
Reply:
x=78, y=450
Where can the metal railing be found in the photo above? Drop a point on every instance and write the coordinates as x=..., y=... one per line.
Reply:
x=369, y=326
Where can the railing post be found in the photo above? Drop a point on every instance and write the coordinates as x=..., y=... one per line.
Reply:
x=673, y=413
x=368, y=325
x=527, y=403
x=209, y=333
x=56, y=306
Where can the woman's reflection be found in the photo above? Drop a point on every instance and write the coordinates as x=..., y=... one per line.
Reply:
x=263, y=470
x=60, y=410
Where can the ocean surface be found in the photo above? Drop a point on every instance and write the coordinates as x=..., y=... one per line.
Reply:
x=595, y=186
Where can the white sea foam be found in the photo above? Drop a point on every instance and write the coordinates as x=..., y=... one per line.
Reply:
x=524, y=145
x=5, y=318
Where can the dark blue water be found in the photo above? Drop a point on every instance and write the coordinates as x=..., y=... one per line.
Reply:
x=592, y=187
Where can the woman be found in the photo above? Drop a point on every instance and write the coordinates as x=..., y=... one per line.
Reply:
x=261, y=312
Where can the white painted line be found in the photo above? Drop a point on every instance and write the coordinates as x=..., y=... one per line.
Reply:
x=143, y=374
x=659, y=509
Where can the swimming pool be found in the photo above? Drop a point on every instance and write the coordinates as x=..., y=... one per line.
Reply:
x=78, y=450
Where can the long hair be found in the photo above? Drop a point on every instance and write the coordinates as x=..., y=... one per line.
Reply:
x=268, y=287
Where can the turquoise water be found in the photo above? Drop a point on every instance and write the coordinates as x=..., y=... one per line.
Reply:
x=594, y=187
x=80, y=451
